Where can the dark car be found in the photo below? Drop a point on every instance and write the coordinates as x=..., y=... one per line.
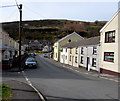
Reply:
x=32, y=54
x=30, y=63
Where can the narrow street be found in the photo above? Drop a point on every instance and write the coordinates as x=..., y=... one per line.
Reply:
x=56, y=82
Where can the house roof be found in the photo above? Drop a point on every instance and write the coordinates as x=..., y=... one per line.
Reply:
x=68, y=36
x=84, y=42
x=110, y=20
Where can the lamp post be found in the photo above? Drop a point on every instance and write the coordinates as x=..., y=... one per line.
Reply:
x=20, y=31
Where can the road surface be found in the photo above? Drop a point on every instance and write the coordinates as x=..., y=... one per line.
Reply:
x=56, y=82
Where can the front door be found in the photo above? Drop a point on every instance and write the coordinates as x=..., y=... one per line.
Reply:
x=88, y=62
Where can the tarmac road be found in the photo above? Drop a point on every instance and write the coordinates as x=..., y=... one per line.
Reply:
x=56, y=82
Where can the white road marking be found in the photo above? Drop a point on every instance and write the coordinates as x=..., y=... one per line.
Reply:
x=26, y=78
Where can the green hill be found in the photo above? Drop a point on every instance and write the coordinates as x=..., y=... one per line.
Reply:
x=52, y=30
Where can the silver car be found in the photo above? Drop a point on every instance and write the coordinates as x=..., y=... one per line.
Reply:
x=31, y=62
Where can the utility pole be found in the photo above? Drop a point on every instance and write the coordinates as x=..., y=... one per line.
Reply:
x=20, y=31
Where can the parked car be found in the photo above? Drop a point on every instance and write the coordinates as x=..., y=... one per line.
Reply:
x=30, y=63
x=32, y=54
x=46, y=55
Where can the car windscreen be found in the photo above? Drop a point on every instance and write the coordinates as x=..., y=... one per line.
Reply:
x=30, y=60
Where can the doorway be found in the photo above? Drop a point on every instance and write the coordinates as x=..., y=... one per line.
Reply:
x=88, y=62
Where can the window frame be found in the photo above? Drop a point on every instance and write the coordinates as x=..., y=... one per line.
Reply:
x=70, y=51
x=76, y=50
x=109, y=54
x=94, y=62
x=70, y=58
x=110, y=37
x=66, y=50
x=81, y=60
x=94, y=50
x=76, y=59
x=82, y=50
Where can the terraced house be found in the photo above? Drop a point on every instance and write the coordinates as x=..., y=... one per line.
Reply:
x=8, y=46
x=110, y=46
x=82, y=53
x=67, y=39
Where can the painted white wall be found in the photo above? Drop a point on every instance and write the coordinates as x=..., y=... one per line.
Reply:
x=88, y=52
x=110, y=47
x=119, y=42
x=64, y=56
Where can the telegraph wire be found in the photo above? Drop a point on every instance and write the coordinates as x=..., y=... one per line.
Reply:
x=37, y=13
x=7, y=6
x=17, y=4
x=11, y=15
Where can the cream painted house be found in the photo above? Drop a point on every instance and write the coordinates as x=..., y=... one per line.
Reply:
x=73, y=57
x=67, y=39
x=110, y=46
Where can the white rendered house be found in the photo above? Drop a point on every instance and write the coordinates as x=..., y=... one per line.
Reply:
x=110, y=46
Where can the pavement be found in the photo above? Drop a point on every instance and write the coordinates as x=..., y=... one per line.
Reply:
x=22, y=91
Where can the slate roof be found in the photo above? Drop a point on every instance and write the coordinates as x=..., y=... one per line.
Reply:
x=68, y=36
x=110, y=20
x=84, y=42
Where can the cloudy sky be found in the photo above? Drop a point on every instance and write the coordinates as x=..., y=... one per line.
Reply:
x=79, y=10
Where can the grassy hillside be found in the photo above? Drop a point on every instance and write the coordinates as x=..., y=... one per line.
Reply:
x=53, y=30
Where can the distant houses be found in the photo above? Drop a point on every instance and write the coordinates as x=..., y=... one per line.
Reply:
x=37, y=45
x=101, y=53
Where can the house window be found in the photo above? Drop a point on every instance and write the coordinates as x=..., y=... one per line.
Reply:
x=70, y=51
x=82, y=50
x=94, y=50
x=76, y=51
x=66, y=49
x=110, y=37
x=109, y=56
x=70, y=58
x=81, y=60
x=56, y=55
x=94, y=62
x=76, y=59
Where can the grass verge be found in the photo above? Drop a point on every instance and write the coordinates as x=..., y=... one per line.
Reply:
x=5, y=92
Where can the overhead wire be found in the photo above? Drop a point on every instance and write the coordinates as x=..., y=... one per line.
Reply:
x=7, y=6
x=11, y=15
x=34, y=11
x=17, y=4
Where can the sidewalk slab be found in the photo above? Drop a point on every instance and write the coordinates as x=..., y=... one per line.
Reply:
x=22, y=91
